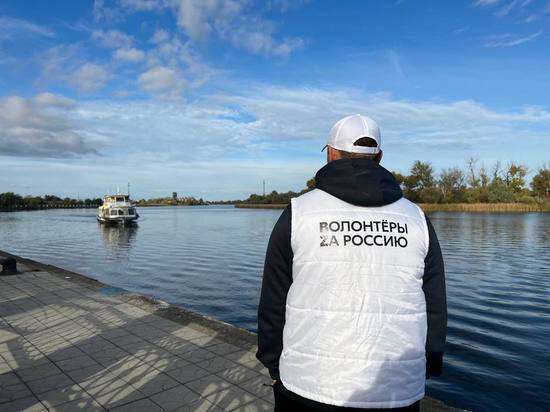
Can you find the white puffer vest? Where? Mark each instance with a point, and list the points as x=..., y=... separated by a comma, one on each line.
x=355, y=329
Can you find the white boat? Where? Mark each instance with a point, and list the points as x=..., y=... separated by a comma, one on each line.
x=117, y=209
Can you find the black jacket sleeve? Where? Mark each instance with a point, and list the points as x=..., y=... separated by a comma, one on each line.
x=436, y=304
x=276, y=282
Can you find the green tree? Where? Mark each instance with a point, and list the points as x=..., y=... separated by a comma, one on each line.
x=399, y=178
x=421, y=177
x=515, y=177
x=10, y=199
x=310, y=184
x=452, y=185
x=431, y=194
x=541, y=182
x=473, y=179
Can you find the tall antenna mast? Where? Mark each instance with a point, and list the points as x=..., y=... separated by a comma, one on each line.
x=128, y=188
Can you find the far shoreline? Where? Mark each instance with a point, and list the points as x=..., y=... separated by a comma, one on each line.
x=440, y=207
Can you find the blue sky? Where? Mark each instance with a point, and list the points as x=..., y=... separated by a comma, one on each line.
x=210, y=97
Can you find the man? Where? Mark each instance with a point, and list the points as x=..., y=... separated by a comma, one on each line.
x=352, y=313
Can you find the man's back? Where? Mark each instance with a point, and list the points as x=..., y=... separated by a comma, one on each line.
x=355, y=312
x=353, y=304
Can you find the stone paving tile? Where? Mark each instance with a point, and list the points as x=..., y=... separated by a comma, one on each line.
x=231, y=398
x=270, y=398
x=187, y=373
x=143, y=405
x=199, y=405
x=238, y=374
x=95, y=345
x=129, y=367
x=83, y=404
x=259, y=405
x=60, y=351
x=197, y=355
x=29, y=404
x=242, y=356
x=189, y=332
x=111, y=391
x=12, y=392
x=76, y=363
x=109, y=357
x=84, y=374
x=149, y=381
x=21, y=360
x=217, y=364
x=153, y=383
x=4, y=366
x=50, y=383
x=208, y=385
x=206, y=341
x=63, y=395
x=79, y=350
x=224, y=349
x=259, y=386
x=7, y=379
x=118, y=396
x=38, y=372
x=175, y=398
x=153, y=356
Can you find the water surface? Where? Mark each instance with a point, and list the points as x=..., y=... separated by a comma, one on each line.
x=210, y=259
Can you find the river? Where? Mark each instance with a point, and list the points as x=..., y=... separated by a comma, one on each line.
x=209, y=259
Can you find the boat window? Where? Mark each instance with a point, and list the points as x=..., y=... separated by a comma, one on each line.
x=131, y=211
x=120, y=212
x=113, y=213
x=120, y=199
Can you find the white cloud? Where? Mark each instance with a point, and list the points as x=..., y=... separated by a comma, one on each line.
x=115, y=12
x=274, y=118
x=160, y=36
x=90, y=77
x=142, y=5
x=130, y=55
x=113, y=39
x=285, y=5
x=161, y=79
x=171, y=52
x=233, y=20
x=514, y=4
x=485, y=3
x=51, y=100
x=273, y=132
x=39, y=126
x=510, y=40
x=11, y=27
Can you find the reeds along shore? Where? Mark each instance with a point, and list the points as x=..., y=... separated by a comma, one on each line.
x=443, y=207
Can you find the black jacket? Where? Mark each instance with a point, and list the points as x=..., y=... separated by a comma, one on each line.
x=360, y=182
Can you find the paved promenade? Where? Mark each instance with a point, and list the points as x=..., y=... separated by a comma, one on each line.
x=70, y=343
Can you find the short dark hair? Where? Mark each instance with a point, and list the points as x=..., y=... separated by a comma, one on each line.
x=365, y=142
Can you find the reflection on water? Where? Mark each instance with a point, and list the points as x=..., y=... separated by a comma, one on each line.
x=119, y=238
x=209, y=259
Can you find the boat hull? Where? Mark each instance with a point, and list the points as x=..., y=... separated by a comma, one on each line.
x=118, y=220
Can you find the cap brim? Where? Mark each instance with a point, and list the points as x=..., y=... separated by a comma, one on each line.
x=323, y=149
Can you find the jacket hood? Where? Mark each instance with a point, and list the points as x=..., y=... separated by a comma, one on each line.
x=361, y=182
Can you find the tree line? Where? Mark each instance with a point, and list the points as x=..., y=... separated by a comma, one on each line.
x=474, y=184
x=9, y=200
x=170, y=201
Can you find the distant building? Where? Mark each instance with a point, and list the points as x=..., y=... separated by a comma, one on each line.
x=175, y=195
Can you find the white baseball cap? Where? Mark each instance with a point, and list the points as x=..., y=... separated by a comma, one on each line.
x=348, y=130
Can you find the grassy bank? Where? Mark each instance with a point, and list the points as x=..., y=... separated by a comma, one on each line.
x=443, y=207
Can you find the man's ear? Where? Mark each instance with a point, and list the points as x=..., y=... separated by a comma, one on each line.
x=379, y=156
x=331, y=154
